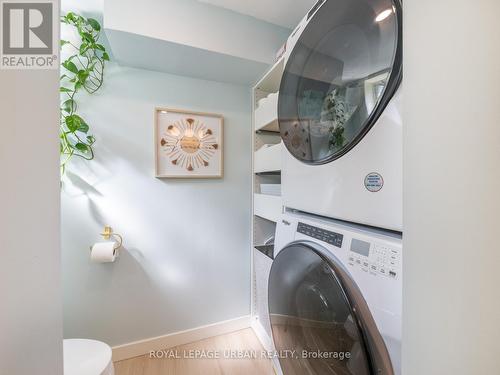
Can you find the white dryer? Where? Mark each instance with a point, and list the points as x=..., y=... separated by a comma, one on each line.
x=339, y=113
x=335, y=298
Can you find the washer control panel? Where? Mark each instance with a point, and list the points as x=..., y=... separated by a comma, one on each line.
x=377, y=259
x=324, y=235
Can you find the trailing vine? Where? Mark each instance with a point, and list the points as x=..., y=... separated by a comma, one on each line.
x=84, y=69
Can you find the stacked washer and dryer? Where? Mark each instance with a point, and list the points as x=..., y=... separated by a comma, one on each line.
x=335, y=286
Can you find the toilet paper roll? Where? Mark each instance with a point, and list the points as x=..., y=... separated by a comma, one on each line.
x=103, y=252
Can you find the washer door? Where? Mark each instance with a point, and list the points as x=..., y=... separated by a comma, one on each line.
x=341, y=74
x=320, y=322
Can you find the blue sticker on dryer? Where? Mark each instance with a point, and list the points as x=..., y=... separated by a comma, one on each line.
x=374, y=182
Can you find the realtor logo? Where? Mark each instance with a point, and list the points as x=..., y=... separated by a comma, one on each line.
x=29, y=32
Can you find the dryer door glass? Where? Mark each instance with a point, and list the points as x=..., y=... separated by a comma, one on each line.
x=342, y=72
x=316, y=327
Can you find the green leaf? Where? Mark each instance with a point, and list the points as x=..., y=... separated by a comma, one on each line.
x=81, y=147
x=63, y=42
x=90, y=139
x=100, y=47
x=69, y=65
x=83, y=48
x=73, y=122
x=69, y=106
x=105, y=56
x=82, y=76
x=64, y=89
x=78, y=85
x=84, y=128
x=94, y=24
x=87, y=37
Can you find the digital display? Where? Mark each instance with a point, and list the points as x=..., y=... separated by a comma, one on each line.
x=360, y=247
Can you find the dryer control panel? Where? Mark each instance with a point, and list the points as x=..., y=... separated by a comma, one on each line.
x=374, y=258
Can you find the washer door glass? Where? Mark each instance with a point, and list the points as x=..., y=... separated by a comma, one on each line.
x=310, y=313
x=339, y=77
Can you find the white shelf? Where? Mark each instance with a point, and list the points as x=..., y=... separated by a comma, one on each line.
x=268, y=159
x=267, y=206
x=266, y=114
x=272, y=79
x=272, y=126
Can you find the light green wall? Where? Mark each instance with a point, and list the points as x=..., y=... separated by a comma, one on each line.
x=187, y=259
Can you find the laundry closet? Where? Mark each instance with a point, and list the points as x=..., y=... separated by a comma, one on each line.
x=327, y=218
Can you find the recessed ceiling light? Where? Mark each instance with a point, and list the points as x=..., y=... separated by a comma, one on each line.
x=383, y=15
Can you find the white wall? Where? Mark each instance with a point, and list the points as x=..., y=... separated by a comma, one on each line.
x=187, y=260
x=452, y=184
x=30, y=278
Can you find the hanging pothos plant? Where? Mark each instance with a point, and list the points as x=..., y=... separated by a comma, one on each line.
x=83, y=69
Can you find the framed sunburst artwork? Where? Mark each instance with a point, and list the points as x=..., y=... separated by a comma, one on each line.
x=188, y=144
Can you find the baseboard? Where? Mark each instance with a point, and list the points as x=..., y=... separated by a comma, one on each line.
x=141, y=347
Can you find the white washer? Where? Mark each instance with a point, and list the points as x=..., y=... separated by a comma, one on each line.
x=339, y=112
x=336, y=288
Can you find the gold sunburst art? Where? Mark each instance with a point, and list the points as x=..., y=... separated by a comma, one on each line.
x=189, y=144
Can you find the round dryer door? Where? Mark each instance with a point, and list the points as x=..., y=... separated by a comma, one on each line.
x=341, y=74
x=320, y=322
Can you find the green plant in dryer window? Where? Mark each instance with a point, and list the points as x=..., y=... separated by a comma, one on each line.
x=336, y=112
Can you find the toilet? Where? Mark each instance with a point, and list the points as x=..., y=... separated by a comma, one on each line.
x=87, y=357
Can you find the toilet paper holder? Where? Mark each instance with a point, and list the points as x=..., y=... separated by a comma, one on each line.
x=108, y=233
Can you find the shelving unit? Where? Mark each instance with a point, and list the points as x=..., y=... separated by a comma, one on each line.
x=267, y=151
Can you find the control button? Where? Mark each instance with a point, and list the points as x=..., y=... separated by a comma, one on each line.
x=358, y=261
x=392, y=273
x=365, y=264
x=382, y=270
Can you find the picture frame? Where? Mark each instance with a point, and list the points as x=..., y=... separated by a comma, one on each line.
x=188, y=144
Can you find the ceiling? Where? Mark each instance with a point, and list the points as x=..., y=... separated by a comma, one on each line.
x=285, y=13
